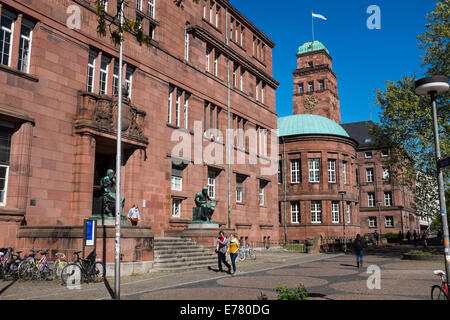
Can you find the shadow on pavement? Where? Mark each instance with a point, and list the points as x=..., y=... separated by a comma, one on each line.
x=8, y=286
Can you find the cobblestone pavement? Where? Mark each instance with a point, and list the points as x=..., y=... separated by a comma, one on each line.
x=326, y=277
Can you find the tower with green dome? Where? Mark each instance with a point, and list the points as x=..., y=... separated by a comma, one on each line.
x=315, y=83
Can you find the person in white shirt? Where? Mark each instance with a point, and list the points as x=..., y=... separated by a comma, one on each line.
x=134, y=215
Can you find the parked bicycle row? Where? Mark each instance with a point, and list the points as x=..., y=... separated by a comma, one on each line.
x=15, y=266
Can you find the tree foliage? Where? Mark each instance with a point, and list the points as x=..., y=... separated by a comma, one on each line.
x=406, y=118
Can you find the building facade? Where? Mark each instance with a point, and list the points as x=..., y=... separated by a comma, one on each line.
x=196, y=78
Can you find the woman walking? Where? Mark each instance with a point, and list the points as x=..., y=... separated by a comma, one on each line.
x=233, y=248
x=359, y=250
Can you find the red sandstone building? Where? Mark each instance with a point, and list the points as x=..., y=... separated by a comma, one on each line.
x=58, y=112
x=330, y=175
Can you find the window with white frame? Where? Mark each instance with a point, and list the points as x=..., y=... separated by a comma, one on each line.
x=369, y=175
x=371, y=199
x=151, y=9
x=212, y=184
x=176, y=208
x=258, y=83
x=335, y=211
x=368, y=154
x=5, y=147
x=116, y=77
x=217, y=16
x=91, y=70
x=295, y=171
x=208, y=57
x=216, y=63
x=211, y=12
x=262, y=137
x=177, y=107
x=6, y=37
x=314, y=170
x=171, y=89
x=26, y=33
x=316, y=211
x=263, y=88
x=239, y=184
x=177, y=178
x=295, y=212
x=186, y=42
x=104, y=67
x=388, y=198
x=242, y=36
x=385, y=153
x=139, y=5
x=241, y=79
x=386, y=174
x=332, y=171
x=231, y=28
x=186, y=110
x=204, y=9
x=389, y=221
x=372, y=222
x=348, y=212
x=235, y=76
x=262, y=186
x=129, y=80
x=344, y=172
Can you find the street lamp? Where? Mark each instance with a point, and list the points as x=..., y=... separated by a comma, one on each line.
x=343, y=193
x=379, y=216
x=434, y=85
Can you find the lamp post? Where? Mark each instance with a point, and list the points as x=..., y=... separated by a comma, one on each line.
x=379, y=217
x=433, y=86
x=342, y=194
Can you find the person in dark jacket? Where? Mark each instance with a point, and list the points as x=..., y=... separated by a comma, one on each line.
x=359, y=246
x=221, y=250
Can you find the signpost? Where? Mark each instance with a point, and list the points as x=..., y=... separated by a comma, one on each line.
x=89, y=235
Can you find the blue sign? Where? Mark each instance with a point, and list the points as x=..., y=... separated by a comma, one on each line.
x=90, y=232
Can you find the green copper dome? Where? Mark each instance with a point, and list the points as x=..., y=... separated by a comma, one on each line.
x=308, y=124
x=312, y=46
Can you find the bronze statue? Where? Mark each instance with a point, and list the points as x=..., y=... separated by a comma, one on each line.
x=204, y=210
x=108, y=184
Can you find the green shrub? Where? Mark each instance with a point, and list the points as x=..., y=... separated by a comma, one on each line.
x=298, y=294
x=293, y=247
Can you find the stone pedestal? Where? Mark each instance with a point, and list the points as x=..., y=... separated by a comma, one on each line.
x=204, y=234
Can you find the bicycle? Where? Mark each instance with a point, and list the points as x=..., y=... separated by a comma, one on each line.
x=440, y=292
x=83, y=269
x=246, y=252
x=11, y=266
x=28, y=266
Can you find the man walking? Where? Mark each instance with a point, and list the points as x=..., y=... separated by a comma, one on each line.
x=221, y=250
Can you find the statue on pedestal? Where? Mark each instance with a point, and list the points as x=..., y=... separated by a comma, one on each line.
x=204, y=210
x=108, y=184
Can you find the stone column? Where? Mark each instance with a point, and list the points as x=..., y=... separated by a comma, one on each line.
x=83, y=178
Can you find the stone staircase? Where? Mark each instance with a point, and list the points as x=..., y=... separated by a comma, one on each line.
x=178, y=254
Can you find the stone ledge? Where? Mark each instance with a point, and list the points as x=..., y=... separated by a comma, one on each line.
x=77, y=232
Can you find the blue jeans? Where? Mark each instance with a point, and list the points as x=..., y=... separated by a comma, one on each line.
x=233, y=257
x=359, y=255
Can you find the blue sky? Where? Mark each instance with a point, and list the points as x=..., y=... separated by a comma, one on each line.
x=363, y=59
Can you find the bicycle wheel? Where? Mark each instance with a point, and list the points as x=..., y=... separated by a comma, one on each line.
x=60, y=265
x=25, y=270
x=251, y=254
x=98, y=272
x=241, y=255
x=437, y=293
x=71, y=275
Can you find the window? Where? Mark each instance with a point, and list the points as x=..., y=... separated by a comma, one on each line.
x=171, y=89
x=186, y=110
x=332, y=171
x=151, y=9
x=262, y=141
x=6, y=31
x=295, y=171
x=242, y=79
x=258, y=84
x=186, y=42
x=371, y=199
x=208, y=57
x=26, y=32
x=231, y=28
x=335, y=211
x=116, y=77
x=386, y=175
x=344, y=172
x=316, y=211
x=216, y=64
x=239, y=182
x=204, y=9
x=385, y=153
x=5, y=147
x=176, y=208
x=104, y=66
x=369, y=175
x=263, y=87
x=348, y=212
x=91, y=70
x=211, y=11
x=242, y=36
x=177, y=178
x=129, y=80
x=139, y=5
x=372, y=222
x=321, y=85
x=217, y=16
x=104, y=3
x=314, y=170
x=301, y=89
x=295, y=212
x=177, y=107
x=280, y=177
x=310, y=64
x=211, y=184
x=388, y=199
x=262, y=185
x=311, y=86
x=389, y=221
x=368, y=154
x=235, y=72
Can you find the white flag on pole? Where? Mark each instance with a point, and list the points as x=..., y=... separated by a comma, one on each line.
x=316, y=15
